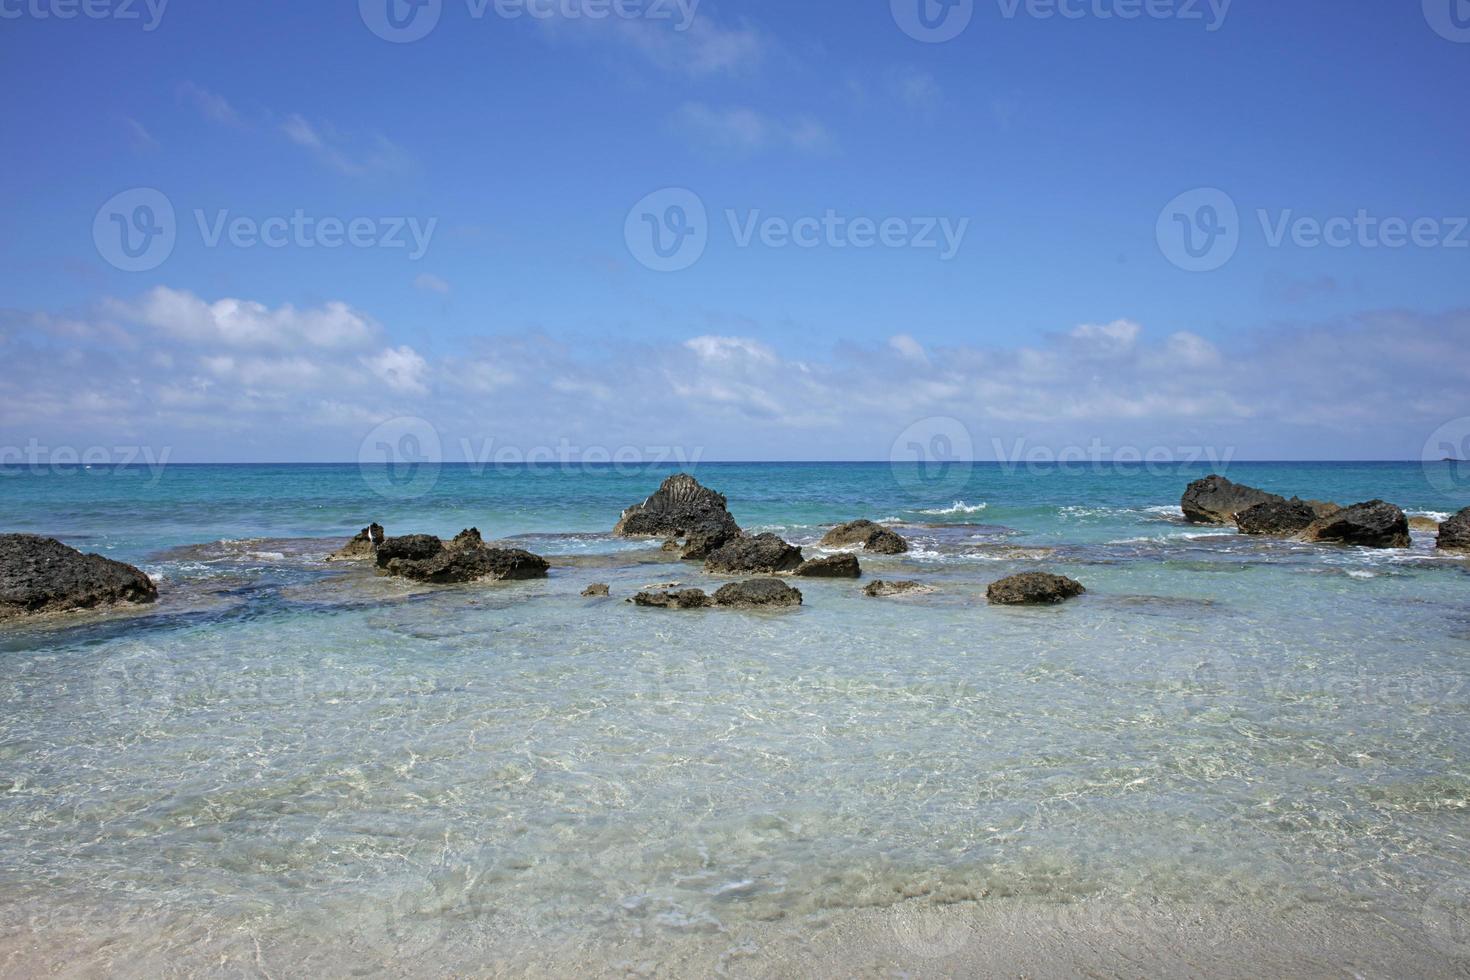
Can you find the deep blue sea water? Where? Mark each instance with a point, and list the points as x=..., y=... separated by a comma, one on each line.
x=287, y=767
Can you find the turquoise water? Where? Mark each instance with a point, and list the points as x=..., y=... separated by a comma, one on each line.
x=290, y=768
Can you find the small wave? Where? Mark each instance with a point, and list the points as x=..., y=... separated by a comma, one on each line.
x=1434, y=515
x=1166, y=510
x=958, y=507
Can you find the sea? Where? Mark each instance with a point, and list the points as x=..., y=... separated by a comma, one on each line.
x=1231, y=756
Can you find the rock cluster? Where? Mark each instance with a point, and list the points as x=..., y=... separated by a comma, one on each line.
x=868, y=536
x=1033, y=589
x=766, y=593
x=40, y=575
x=424, y=558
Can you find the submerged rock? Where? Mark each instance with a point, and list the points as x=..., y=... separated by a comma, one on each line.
x=1426, y=524
x=361, y=548
x=884, y=590
x=1374, y=524
x=1033, y=588
x=1282, y=517
x=596, y=591
x=685, y=599
x=680, y=508
x=763, y=553
x=40, y=575
x=1454, y=534
x=759, y=593
x=1216, y=500
x=836, y=566
x=866, y=535
x=425, y=558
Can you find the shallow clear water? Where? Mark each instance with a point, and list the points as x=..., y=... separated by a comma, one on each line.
x=284, y=752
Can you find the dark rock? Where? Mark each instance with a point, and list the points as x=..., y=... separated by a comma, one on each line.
x=681, y=508
x=1454, y=534
x=883, y=590
x=1033, y=588
x=836, y=566
x=424, y=558
x=1283, y=517
x=411, y=547
x=758, y=594
x=700, y=546
x=597, y=591
x=361, y=548
x=868, y=536
x=1215, y=500
x=763, y=553
x=43, y=575
x=1374, y=524
x=685, y=599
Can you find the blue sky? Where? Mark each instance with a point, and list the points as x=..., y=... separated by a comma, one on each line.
x=1050, y=147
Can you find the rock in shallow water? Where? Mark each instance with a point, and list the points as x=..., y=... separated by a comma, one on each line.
x=679, y=508
x=836, y=566
x=1374, y=524
x=361, y=548
x=596, y=591
x=884, y=590
x=43, y=575
x=1033, y=589
x=764, y=553
x=757, y=594
x=1454, y=534
x=1280, y=517
x=867, y=535
x=1216, y=500
x=424, y=558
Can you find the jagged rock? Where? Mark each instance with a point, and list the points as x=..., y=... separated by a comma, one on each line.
x=424, y=558
x=758, y=594
x=680, y=508
x=40, y=575
x=765, y=553
x=1215, y=500
x=836, y=566
x=1276, y=517
x=686, y=599
x=597, y=591
x=1454, y=534
x=361, y=548
x=1374, y=524
x=1033, y=588
x=700, y=546
x=884, y=590
x=868, y=536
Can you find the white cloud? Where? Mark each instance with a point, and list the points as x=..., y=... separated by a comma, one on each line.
x=431, y=284
x=370, y=156
x=213, y=107
x=242, y=324
x=699, y=47
x=744, y=130
x=401, y=369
